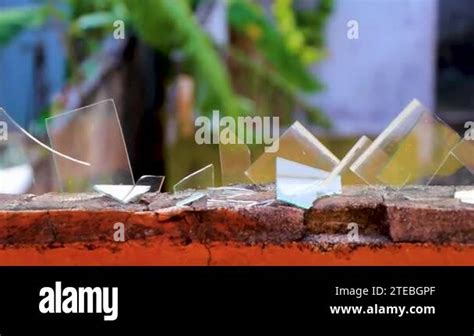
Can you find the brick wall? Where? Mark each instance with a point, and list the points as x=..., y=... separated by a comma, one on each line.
x=416, y=226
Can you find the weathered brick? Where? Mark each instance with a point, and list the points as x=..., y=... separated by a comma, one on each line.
x=25, y=227
x=440, y=221
x=416, y=193
x=66, y=201
x=333, y=214
x=251, y=225
x=424, y=214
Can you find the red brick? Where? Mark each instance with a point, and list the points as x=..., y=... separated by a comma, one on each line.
x=333, y=214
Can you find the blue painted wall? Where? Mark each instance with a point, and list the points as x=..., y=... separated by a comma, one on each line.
x=21, y=75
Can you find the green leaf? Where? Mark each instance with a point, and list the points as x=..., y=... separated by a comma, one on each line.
x=14, y=20
x=91, y=21
x=280, y=83
x=245, y=16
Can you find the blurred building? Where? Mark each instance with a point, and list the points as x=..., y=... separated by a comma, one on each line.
x=370, y=79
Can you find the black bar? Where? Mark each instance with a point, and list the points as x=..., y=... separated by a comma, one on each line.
x=156, y=301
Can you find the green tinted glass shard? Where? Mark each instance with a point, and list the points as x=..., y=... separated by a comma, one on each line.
x=201, y=179
x=296, y=144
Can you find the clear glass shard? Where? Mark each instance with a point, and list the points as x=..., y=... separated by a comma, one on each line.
x=230, y=192
x=233, y=190
x=452, y=172
x=301, y=185
x=464, y=152
x=25, y=161
x=122, y=193
x=297, y=174
x=191, y=199
x=466, y=196
x=201, y=179
x=91, y=134
x=231, y=196
x=218, y=203
x=131, y=193
x=296, y=144
x=343, y=168
x=235, y=159
x=155, y=183
x=458, y=169
x=410, y=150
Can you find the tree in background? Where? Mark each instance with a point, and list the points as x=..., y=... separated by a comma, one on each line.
x=263, y=70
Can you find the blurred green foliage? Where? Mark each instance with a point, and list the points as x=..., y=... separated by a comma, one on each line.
x=15, y=20
x=250, y=19
x=303, y=27
x=154, y=20
x=288, y=44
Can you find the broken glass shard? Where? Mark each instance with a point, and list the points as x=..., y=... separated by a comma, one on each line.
x=191, y=199
x=131, y=193
x=414, y=149
x=466, y=196
x=296, y=144
x=232, y=190
x=122, y=193
x=235, y=159
x=464, y=152
x=343, y=168
x=201, y=179
x=218, y=203
x=301, y=185
x=458, y=167
x=233, y=196
x=91, y=134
